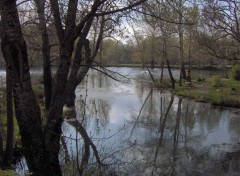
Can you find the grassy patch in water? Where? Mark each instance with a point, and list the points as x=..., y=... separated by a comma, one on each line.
x=217, y=91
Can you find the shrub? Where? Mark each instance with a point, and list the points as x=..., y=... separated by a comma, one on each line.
x=216, y=81
x=199, y=79
x=235, y=72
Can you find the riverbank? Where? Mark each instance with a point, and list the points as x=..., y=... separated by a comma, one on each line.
x=217, y=91
x=201, y=67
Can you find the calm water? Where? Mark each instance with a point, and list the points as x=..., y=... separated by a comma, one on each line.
x=143, y=131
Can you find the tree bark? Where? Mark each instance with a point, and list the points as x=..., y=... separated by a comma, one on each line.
x=47, y=73
x=153, y=51
x=9, y=145
x=26, y=106
x=1, y=148
x=78, y=71
x=162, y=67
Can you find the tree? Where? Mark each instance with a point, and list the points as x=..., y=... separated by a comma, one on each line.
x=166, y=33
x=180, y=33
x=220, y=36
x=151, y=22
x=47, y=73
x=192, y=31
x=223, y=16
x=26, y=106
x=41, y=146
x=161, y=12
x=10, y=131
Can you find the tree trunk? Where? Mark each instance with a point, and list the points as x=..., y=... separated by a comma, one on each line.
x=180, y=33
x=47, y=73
x=190, y=50
x=26, y=106
x=162, y=67
x=1, y=147
x=151, y=75
x=71, y=98
x=52, y=132
x=10, y=132
x=77, y=74
x=27, y=110
x=165, y=55
x=153, y=51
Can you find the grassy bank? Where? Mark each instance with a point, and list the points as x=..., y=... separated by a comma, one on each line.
x=201, y=67
x=215, y=90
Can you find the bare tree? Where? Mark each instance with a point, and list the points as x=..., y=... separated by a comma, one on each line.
x=221, y=35
x=41, y=146
x=223, y=16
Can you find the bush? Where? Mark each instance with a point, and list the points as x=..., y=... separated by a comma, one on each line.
x=199, y=79
x=235, y=72
x=216, y=81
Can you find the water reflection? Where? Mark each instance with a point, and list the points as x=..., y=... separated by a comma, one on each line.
x=138, y=130
x=141, y=131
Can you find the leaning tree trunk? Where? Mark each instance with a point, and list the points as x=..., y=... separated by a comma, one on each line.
x=9, y=145
x=26, y=106
x=165, y=55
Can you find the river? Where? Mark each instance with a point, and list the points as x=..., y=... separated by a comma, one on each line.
x=142, y=131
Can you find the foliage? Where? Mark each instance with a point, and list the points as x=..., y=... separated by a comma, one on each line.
x=235, y=72
x=227, y=95
x=216, y=81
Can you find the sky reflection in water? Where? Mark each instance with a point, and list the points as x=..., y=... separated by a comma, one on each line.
x=192, y=143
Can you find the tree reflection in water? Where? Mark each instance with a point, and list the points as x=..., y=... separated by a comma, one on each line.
x=141, y=131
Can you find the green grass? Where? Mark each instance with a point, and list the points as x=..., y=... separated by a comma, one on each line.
x=38, y=90
x=217, y=91
x=166, y=83
x=7, y=172
x=3, y=118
